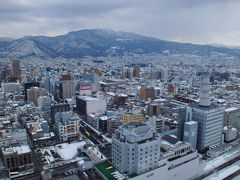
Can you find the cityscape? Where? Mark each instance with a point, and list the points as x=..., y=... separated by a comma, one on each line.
x=102, y=104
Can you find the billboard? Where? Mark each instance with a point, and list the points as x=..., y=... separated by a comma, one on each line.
x=85, y=87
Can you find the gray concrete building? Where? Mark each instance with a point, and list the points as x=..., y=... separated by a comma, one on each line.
x=135, y=148
x=232, y=117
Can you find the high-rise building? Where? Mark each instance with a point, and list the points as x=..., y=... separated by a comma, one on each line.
x=190, y=133
x=185, y=115
x=16, y=71
x=154, y=109
x=164, y=74
x=66, y=77
x=136, y=72
x=135, y=148
x=147, y=92
x=232, y=117
x=63, y=107
x=210, y=125
x=68, y=90
x=34, y=93
x=127, y=72
x=28, y=86
x=67, y=125
x=67, y=86
x=208, y=116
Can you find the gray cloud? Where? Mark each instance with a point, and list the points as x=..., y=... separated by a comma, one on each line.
x=204, y=21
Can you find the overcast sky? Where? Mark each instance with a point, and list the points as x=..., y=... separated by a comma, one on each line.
x=196, y=21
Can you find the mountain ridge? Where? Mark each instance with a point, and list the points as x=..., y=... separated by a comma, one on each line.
x=101, y=42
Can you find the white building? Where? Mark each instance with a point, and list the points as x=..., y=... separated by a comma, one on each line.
x=67, y=125
x=87, y=105
x=135, y=148
x=140, y=154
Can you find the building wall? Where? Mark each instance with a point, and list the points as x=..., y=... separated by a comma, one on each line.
x=135, y=158
x=34, y=93
x=190, y=133
x=16, y=71
x=97, y=106
x=131, y=117
x=146, y=93
x=10, y=87
x=210, y=125
x=232, y=117
x=16, y=161
x=68, y=90
x=187, y=170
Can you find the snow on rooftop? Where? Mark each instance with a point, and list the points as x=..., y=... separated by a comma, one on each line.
x=22, y=149
x=107, y=139
x=224, y=174
x=191, y=122
x=104, y=118
x=231, y=109
x=68, y=151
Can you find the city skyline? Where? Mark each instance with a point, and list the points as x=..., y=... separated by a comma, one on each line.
x=202, y=22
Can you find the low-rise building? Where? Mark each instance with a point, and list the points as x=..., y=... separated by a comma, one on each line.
x=17, y=158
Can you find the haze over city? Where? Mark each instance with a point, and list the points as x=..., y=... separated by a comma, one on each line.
x=119, y=90
x=201, y=22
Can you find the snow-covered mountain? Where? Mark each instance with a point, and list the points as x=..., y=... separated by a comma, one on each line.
x=100, y=42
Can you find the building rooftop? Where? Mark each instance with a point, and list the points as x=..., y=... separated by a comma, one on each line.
x=137, y=127
x=170, y=139
x=205, y=108
x=231, y=109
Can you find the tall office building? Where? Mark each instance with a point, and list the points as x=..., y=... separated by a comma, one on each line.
x=164, y=74
x=127, y=72
x=210, y=125
x=34, y=93
x=28, y=86
x=68, y=90
x=16, y=71
x=209, y=118
x=136, y=72
x=185, y=115
x=67, y=86
x=135, y=148
x=154, y=109
x=147, y=92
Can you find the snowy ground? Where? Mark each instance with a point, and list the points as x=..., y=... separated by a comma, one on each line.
x=223, y=173
x=69, y=151
x=207, y=166
x=65, y=150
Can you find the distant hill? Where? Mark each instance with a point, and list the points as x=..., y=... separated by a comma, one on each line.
x=101, y=42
